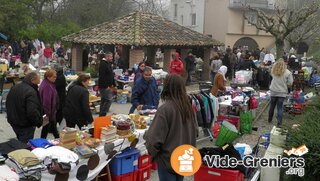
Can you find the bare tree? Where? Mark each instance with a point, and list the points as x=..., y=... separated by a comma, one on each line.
x=282, y=22
x=305, y=32
x=153, y=6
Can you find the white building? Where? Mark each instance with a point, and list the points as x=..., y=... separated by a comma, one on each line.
x=188, y=13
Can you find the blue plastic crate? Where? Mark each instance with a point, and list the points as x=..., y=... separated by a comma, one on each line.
x=125, y=162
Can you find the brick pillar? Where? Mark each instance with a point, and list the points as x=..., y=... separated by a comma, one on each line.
x=135, y=56
x=206, y=68
x=151, y=54
x=167, y=58
x=76, y=52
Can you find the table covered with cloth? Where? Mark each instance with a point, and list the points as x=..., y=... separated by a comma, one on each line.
x=89, y=168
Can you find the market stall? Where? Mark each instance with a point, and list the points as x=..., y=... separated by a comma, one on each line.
x=77, y=155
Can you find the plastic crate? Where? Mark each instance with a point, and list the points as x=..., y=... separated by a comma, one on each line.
x=207, y=174
x=125, y=162
x=144, y=161
x=132, y=176
x=144, y=173
x=235, y=120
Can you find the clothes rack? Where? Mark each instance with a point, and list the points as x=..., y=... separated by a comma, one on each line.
x=205, y=130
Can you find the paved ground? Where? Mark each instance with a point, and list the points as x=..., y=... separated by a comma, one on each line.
x=263, y=126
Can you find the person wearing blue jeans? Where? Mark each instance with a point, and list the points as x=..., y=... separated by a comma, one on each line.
x=165, y=175
x=281, y=79
x=276, y=101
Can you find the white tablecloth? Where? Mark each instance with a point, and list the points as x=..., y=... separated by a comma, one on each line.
x=120, y=144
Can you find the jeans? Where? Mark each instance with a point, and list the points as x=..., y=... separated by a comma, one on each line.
x=24, y=134
x=131, y=111
x=51, y=126
x=164, y=175
x=189, y=80
x=279, y=102
x=106, y=101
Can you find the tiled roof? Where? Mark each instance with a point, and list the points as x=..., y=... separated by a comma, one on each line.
x=141, y=29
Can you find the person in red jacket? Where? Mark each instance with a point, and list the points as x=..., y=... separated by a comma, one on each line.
x=47, y=54
x=176, y=65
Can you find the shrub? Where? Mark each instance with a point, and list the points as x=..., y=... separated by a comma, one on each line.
x=92, y=71
x=308, y=133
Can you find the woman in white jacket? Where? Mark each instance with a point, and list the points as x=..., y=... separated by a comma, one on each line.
x=34, y=58
x=281, y=79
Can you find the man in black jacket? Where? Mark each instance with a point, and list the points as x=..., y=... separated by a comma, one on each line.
x=189, y=60
x=105, y=83
x=24, y=110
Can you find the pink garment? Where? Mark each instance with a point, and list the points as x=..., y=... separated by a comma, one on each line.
x=41, y=57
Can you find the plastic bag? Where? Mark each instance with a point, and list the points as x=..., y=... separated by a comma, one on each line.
x=253, y=103
x=216, y=129
x=246, y=122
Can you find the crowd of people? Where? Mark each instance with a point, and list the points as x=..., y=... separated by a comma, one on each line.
x=34, y=52
x=29, y=106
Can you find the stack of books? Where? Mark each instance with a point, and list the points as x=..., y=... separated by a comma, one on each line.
x=109, y=134
x=84, y=151
x=68, y=138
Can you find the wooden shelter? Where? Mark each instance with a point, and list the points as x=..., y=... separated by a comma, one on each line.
x=139, y=33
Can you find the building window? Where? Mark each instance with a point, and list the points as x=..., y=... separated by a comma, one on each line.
x=251, y=18
x=175, y=10
x=181, y=19
x=193, y=19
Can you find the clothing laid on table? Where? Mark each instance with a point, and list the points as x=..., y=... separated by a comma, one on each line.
x=77, y=110
x=168, y=131
x=62, y=155
x=11, y=145
x=8, y=174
